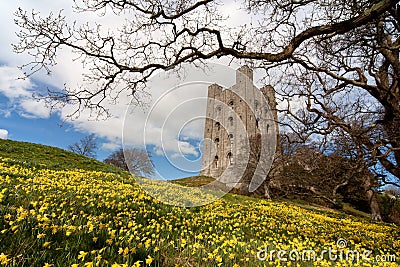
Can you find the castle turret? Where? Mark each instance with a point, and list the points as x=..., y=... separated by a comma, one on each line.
x=244, y=73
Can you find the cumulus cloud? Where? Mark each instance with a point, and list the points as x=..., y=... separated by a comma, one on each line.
x=11, y=84
x=34, y=109
x=3, y=134
x=110, y=146
x=19, y=93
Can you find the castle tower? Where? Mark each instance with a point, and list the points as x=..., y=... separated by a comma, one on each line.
x=234, y=116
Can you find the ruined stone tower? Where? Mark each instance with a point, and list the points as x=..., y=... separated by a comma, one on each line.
x=234, y=116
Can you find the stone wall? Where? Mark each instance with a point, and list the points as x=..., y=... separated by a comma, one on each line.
x=235, y=115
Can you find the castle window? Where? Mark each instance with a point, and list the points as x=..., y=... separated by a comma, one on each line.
x=230, y=103
x=216, y=162
x=219, y=110
x=229, y=156
x=218, y=125
x=216, y=141
x=230, y=120
x=267, y=128
x=257, y=122
x=230, y=136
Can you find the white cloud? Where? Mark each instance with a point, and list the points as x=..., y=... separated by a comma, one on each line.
x=3, y=134
x=111, y=146
x=19, y=94
x=11, y=84
x=34, y=109
x=159, y=152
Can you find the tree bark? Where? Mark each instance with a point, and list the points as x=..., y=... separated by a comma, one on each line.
x=267, y=195
x=372, y=200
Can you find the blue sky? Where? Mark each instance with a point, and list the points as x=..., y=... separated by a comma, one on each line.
x=163, y=128
x=21, y=123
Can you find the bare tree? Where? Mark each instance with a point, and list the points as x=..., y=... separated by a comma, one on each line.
x=86, y=146
x=117, y=159
x=339, y=59
x=392, y=191
x=135, y=160
x=327, y=174
x=365, y=182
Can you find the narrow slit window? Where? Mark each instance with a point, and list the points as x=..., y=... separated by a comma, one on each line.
x=218, y=125
x=216, y=161
x=216, y=141
x=229, y=156
x=230, y=120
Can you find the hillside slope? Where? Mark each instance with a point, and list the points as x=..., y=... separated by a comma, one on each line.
x=50, y=157
x=59, y=209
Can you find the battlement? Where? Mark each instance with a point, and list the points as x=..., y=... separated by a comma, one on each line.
x=214, y=90
x=244, y=73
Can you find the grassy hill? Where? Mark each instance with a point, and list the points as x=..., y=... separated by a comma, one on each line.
x=60, y=209
x=41, y=156
x=194, y=181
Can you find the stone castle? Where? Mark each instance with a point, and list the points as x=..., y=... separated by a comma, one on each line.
x=234, y=116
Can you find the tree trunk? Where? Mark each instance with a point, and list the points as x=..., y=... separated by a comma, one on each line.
x=266, y=191
x=373, y=203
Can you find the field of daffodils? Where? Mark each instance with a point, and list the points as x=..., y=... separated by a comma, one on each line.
x=77, y=217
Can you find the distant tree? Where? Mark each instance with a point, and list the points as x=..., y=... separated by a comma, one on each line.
x=392, y=191
x=135, y=160
x=86, y=146
x=117, y=159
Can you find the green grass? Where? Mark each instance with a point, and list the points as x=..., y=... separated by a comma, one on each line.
x=41, y=156
x=194, y=181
